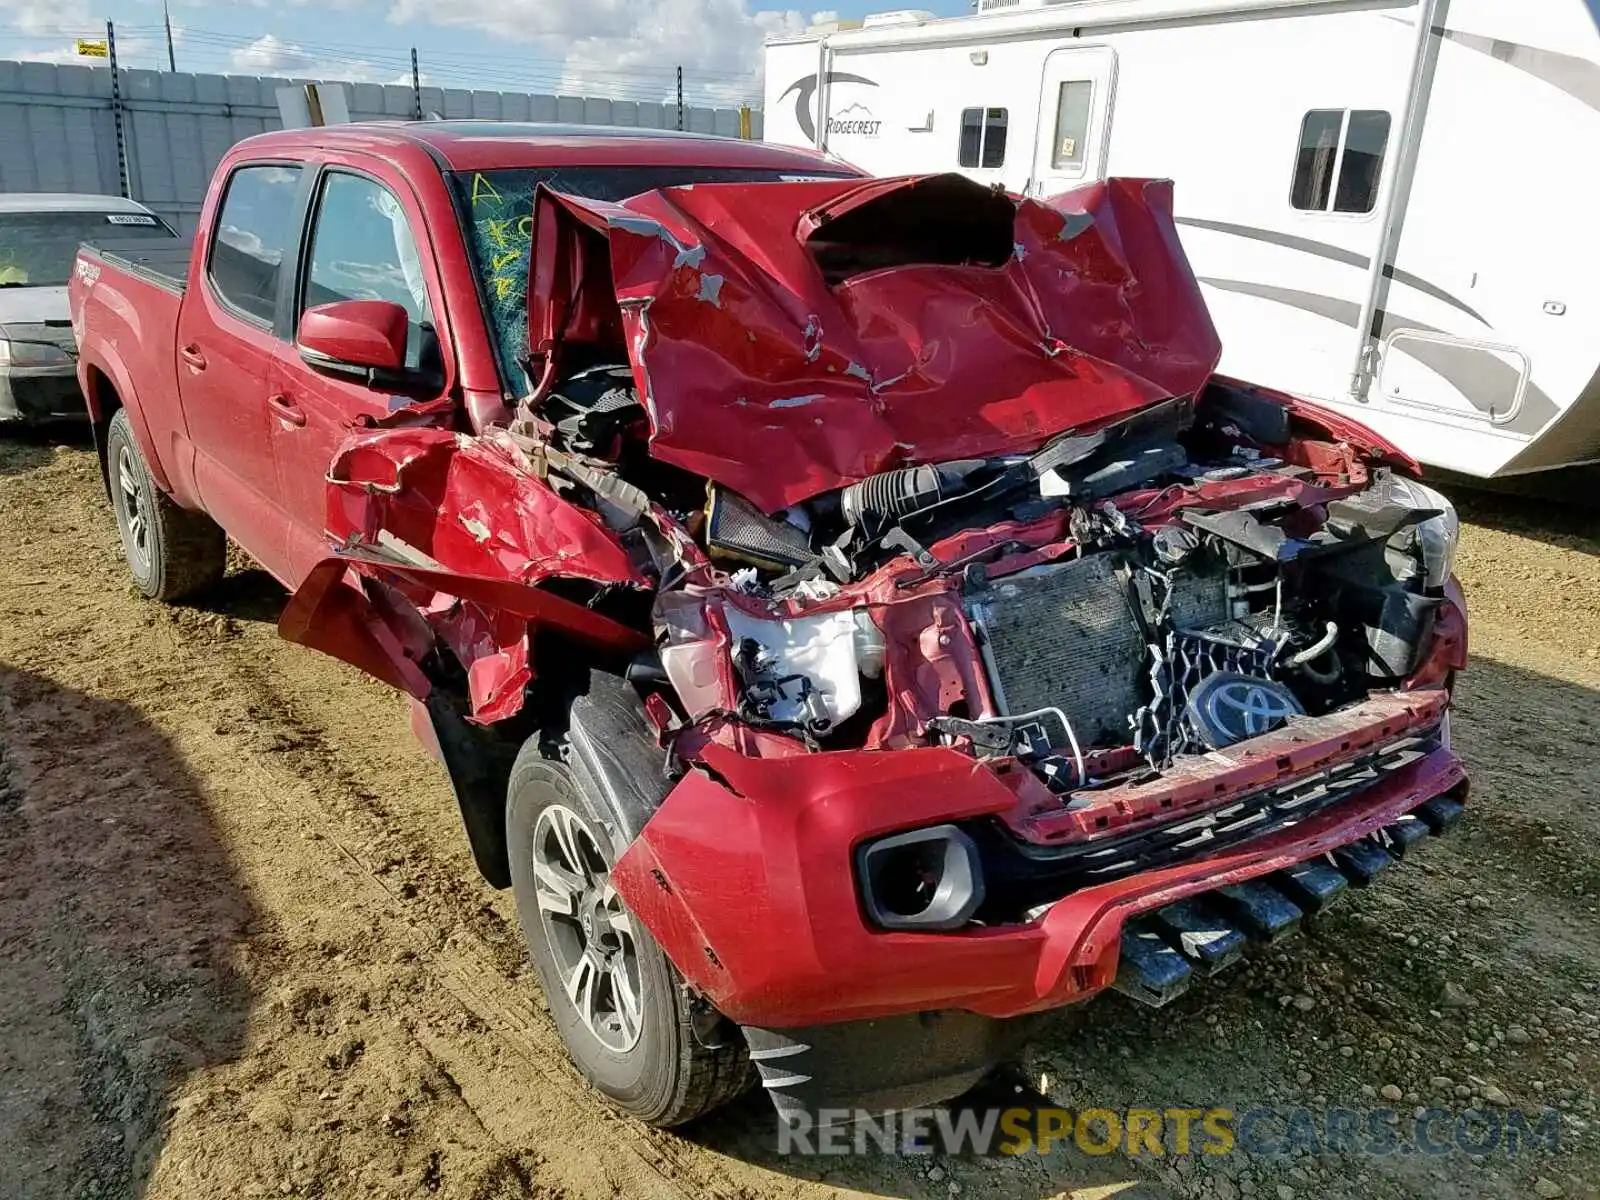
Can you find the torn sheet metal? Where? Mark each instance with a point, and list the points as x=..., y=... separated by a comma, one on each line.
x=447, y=536
x=768, y=368
x=467, y=504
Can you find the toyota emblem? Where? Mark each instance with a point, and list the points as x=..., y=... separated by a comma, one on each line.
x=1228, y=707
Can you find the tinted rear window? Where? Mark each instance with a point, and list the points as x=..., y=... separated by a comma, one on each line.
x=254, y=228
x=37, y=248
x=497, y=212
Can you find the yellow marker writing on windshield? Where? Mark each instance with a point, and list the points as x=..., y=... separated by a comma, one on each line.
x=482, y=189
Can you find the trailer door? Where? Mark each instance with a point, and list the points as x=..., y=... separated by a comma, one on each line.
x=1074, y=131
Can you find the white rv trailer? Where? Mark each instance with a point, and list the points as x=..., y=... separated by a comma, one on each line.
x=1393, y=205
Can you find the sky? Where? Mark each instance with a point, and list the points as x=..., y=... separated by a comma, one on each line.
x=625, y=49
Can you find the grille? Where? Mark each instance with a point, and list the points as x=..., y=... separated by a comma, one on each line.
x=1019, y=877
x=737, y=529
x=1162, y=728
x=57, y=333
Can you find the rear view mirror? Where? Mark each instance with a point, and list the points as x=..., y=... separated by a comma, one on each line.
x=364, y=338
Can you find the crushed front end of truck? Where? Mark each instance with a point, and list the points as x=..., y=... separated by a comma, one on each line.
x=993, y=650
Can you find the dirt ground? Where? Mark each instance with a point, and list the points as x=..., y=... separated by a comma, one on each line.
x=243, y=951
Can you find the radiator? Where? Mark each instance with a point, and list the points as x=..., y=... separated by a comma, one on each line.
x=1065, y=636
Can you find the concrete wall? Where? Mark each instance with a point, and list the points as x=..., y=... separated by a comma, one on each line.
x=58, y=132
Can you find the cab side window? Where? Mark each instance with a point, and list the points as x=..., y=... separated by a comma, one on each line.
x=362, y=248
x=254, y=229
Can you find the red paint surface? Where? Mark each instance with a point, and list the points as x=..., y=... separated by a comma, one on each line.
x=473, y=505
x=1334, y=425
x=209, y=434
x=737, y=340
x=369, y=333
x=746, y=880
x=465, y=530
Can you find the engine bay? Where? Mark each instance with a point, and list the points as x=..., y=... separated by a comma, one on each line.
x=1162, y=586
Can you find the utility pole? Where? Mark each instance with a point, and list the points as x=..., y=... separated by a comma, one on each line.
x=680, y=99
x=166, y=20
x=416, y=88
x=116, y=108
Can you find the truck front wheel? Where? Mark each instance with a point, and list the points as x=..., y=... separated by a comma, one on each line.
x=171, y=551
x=628, y=1021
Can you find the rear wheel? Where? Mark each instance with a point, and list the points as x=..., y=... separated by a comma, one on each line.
x=171, y=551
x=628, y=1020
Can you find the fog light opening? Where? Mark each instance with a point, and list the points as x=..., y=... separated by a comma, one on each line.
x=925, y=879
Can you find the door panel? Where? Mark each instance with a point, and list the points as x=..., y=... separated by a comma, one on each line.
x=1075, y=103
x=226, y=354
x=362, y=246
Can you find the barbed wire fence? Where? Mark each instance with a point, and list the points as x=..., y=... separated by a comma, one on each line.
x=208, y=51
x=117, y=113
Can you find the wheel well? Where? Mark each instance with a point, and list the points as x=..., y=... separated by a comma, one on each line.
x=478, y=760
x=103, y=403
x=572, y=686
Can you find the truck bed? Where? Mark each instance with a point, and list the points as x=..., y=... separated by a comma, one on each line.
x=164, y=264
x=126, y=298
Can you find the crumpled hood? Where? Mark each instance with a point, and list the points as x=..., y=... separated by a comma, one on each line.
x=792, y=338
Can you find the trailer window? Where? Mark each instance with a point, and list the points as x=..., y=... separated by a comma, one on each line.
x=1340, y=160
x=1072, y=124
x=983, y=137
x=1365, y=136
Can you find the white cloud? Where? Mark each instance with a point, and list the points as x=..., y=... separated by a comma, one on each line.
x=621, y=48
x=67, y=56
x=270, y=55
x=610, y=46
x=48, y=17
x=65, y=21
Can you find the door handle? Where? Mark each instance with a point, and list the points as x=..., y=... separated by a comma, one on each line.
x=286, y=409
x=191, y=355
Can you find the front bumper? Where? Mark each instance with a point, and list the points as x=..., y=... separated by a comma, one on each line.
x=41, y=394
x=744, y=875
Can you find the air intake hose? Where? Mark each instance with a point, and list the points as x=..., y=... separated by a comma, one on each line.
x=879, y=501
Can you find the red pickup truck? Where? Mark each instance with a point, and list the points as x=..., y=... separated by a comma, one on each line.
x=853, y=613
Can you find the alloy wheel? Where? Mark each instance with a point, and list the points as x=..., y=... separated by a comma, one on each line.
x=135, y=520
x=589, y=930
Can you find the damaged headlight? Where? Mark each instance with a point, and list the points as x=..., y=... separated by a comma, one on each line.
x=1436, y=538
x=805, y=670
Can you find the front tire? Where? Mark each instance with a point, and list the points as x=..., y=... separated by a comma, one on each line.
x=624, y=1012
x=171, y=552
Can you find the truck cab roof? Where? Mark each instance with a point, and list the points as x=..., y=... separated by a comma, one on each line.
x=486, y=145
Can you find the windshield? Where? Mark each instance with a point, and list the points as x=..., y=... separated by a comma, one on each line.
x=37, y=248
x=497, y=212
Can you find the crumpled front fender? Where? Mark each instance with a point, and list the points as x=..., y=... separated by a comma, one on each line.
x=445, y=537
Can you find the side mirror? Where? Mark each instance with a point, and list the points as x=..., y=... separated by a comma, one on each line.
x=364, y=338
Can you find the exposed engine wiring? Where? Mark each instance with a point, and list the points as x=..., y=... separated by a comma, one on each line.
x=1072, y=737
